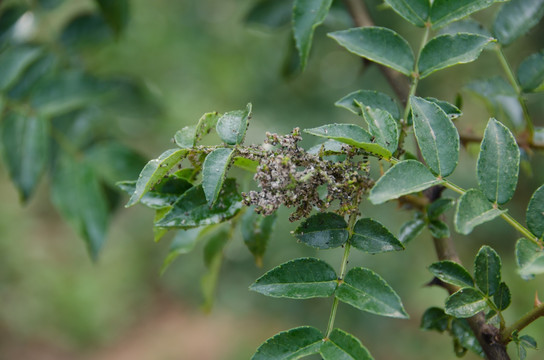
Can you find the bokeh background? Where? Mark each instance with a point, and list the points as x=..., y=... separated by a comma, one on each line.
x=196, y=56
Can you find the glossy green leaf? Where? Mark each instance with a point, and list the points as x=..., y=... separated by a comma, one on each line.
x=465, y=303
x=367, y=291
x=451, y=273
x=463, y=335
x=86, y=30
x=256, y=230
x=487, y=270
x=516, y=18
x=530, y=258
x=438, y=207
x=531, y=72
x=444, y=12
x=435, y=319
x=378, y=44
x=214, y=171
x=473, y=209
x=502, y=297
x=116, y=13
x=382, y=127
x=25, y=146
x=291, y=345
x=183, y=243
x=373, y=99
x=467, y=25
x=404, y=178
x=307, y=16
x=323, y=231
x=410, y=230
x=415, y=11
x=448, y=50
x=498, y=163
x=436, y=135
x=439, y=229
x=192, y=209
x=303, y=278
x=213, y=258
x=271, y=14
x=372, y=237
x=154, y=171
x=14, y=61
x=232, y=126
x=163, y=195
x=535, y=213
x=185, y=138
x=341, y=345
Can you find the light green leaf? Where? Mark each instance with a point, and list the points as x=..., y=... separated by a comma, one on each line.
x=307, y=16
x=232, y=125
x=487, y=270
x=451, y=273
x=438, y=207
x=436, y=136
x=410, y=230
x=367, y=291
x=372, y=237
x=115, y=12
x=256, y=230
x=245, y=164
x=303, y=278
x=531, y=72
x=190, y=135
x=183, y=243
x=214, y=171
x=14, y=61
x=25, y=146
x=404, y=178
x=435, y=319
x=415, y=11
x=341, y=345
x=154, y=171
x=290, y=345
x=447, y=50
x=444, y=12
x=271, y=14
x=163, y=195
x=373, y=99
x=502, y=297
x=378, y=44
x=439, y=229
x=382, y=126
x=530, y=258
x=323, y=231
x=185, y=138
x=472, y=210
x=498, y=163
x=465, y=303
x=516, y=18
x=535, y=213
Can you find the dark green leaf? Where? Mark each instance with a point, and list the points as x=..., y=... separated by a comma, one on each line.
x=183, y=243
x=378, y=44
x=473, y=209
x=529, y=257
x=10, y=15
x=86, y=30
x=50, y=4
x=367, y=291
x=115, y=12
x=290, y=345
x=307, y=16
x=25, y=146
x=502, y=297
x=14, y=61
x=439, y=229
x=372, y=237
x=323, y=231
x=415, y=11
x=498, y=163
x=163, y=195
x=404, y=178
x=213, y=257
x=463, y=334
x=465, y=303
x=516, y=18
x=531, y=72
x=256, y=230
x=528, y=341
x=451, y=110
x=303, y=278
x=35, y=72
x=232, y=125
x=271, y=14
x=438, y=207
x=468, y=25
x=214, y=171
x=435, y=319
x=341, y=345
x=444, y=12
x=487, y=270
x=410, y=230
x=451, y=273
x=535, y=213
x=373, y=99
x=382, y=127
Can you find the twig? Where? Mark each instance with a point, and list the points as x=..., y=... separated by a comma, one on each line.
x=535, y=313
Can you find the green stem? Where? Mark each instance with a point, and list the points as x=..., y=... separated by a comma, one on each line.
x=524, y=321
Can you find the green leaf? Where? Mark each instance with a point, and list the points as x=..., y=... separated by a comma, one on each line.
x=307, y=16
x=465, y=303
x=213, y=257
x=528, y=341
x=245, y=164
x=290, y=345
x=378, y=44
x=33, y=74
x=516, y=18
x=414, y=11
x=14, y=61
x=439, y=229
x=467, y=25
x=163, y=195
x=529, y=257
x=535, y=213
x=86, y=30
x=462, y=333
x=444, y=12
x=352, y=135
x=185, y=138
x=323, y=231
x=448, y=50
x=382, y=126
x=452, y=273
x=502, y=297
x=367, y=291
x=373, y=99
x=487, y=270
x=498, y=163
x=9, y=16
x=438, y=207
x=436, y=136
x=154, y=171
x=232, y=125
x=374, y=238
x=183, y=243
x=192, y=209
x=76, y=193
x=435, y=319
x=214, y=171
x=303, y=278
x=256, y=230
x=473, y=209
x=404, y=178
x=271, y=14
x=25, y=146
x=410, y=230
x=531, y=72
x=341, y=345
x=451, y=110
x=190, y=135
x=116, y=13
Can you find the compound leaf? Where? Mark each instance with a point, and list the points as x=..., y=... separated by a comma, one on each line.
x=323, y=231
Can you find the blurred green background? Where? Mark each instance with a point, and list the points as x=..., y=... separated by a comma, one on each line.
x=197, y=56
